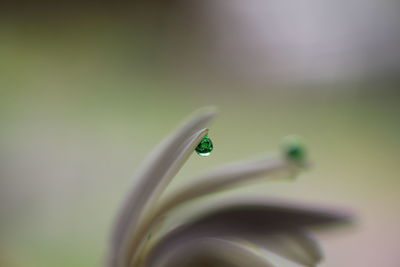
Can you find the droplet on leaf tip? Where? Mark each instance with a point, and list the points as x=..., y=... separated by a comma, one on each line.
x=205, y=147
x=294, y=149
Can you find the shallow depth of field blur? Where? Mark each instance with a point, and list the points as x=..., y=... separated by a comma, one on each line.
x=86, y=92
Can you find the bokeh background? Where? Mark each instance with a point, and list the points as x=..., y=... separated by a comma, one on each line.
x=87, y=90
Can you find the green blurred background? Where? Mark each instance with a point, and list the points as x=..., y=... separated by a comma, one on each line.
x=87, y=91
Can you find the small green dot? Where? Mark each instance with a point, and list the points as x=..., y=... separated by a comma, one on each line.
x=205, y=147
x=294, y=150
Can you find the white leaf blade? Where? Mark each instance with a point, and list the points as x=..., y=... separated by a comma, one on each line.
x=161, y=166
x=297, y=246
x=247, y=220
x=224, y=178
x=226, y=253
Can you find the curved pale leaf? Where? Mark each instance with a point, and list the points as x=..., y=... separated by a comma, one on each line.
x=298, y=246
x=248, y=219
x=223, y=178
x=209, y=252
x=161, y=167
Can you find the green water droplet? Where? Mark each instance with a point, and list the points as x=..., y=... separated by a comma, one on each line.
x=205, y=147
x=294, y=150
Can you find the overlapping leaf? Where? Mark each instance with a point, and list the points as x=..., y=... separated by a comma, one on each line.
x=235, y=234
